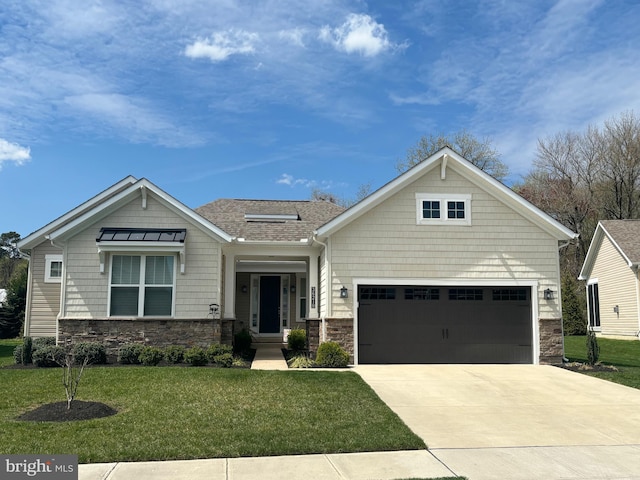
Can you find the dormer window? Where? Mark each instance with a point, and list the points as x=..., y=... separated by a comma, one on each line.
x=443, y=209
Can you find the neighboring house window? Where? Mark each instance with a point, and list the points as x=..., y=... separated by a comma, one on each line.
x=53, y=268
x=593, y=299
x=142, y=285
x=434, y=209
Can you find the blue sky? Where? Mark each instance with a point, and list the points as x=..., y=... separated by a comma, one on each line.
x=269, y=99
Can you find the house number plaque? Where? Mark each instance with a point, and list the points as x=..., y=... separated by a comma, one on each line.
x=313, y=297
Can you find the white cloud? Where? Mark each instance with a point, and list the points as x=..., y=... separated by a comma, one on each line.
x=291, y=181
x=12, y=152
x=358, y=34
x=221, y=45
x=294, y=36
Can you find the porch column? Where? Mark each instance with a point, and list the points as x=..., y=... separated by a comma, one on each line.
x=314, y=291
x=229, y=286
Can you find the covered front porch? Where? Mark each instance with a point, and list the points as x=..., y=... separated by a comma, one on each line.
x=274, y=289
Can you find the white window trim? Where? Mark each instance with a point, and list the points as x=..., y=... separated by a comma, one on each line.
x=443, y=199
x=590, y=282
x=48, y=260
x=142, y=248
x=141, y=285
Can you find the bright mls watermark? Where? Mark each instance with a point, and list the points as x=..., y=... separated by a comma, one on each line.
x=49, y=467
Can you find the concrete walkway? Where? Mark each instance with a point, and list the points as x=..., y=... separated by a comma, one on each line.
x=269, y=357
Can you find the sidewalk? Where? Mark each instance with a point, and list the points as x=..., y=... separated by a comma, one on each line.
x=340, y=466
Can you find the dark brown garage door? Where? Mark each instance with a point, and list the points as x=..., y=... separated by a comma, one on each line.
x=444, y=324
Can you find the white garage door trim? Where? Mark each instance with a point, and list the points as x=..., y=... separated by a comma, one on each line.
x=451, y=282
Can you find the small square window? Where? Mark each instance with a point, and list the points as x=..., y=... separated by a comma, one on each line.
x=431, y=209
x=455, y=210
x=53, y=269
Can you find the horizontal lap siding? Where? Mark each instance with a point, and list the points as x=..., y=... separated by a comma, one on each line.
x=616, y=286
x=45, y=297
x=87, y=289
x=387, y=243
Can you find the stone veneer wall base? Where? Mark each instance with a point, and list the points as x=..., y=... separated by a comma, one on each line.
x=154, y=332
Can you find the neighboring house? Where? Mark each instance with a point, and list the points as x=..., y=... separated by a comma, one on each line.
x=444, y=264
x=3, y=296
x=611, y=272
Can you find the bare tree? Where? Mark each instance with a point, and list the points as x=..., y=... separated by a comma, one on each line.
x=480, y=152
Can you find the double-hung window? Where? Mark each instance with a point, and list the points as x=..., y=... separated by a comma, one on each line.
x=443, y=209
x=142, y=285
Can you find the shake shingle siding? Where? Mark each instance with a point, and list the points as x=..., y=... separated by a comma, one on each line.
x=499, y=245
x=87, y=294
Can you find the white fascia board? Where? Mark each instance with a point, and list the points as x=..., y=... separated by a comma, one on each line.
x=513, y=200
x=381, y=194
x=140, y=246
x=470, y=172
x=34, y=239
x=114, y=202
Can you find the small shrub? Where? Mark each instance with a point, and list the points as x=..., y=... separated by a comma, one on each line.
x=94, y=352
x=297, y=340
x=17, y=355
x=174, y=354
x=43, y=342
x=593, y=349
x=224, y=360
x=196, y=356
x=331, y=354
x=151, y=356
x=240, y=362
x=27, y=350
x=50, y=356
x=130, y=353
x=300, y=361
x=242, y=341
x=216, y=349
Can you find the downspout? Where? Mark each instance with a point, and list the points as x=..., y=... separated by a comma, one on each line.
x=63, y=285
x=327, y=268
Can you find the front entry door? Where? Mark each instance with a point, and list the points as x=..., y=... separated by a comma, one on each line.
x=269, y=304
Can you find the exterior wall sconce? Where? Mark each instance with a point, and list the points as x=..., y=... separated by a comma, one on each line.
x=344, y=293
x=548, y=294
x=616, y=309
x=244, y=289
x=293, y=289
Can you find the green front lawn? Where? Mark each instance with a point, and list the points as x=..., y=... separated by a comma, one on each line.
x=6, y=350
x=623, y=354
x=189, y=412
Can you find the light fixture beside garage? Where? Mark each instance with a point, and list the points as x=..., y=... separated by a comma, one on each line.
x=344, y=293
x=548, y=294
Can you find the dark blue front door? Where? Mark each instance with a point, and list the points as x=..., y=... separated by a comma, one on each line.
x=269, y=304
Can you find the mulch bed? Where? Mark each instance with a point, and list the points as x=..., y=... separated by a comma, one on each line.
x=585, y=367
x=57, y=412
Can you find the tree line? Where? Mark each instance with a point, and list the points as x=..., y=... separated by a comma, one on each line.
x=13, y=279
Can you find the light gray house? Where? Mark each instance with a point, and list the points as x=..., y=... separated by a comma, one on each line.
x=613, y=283
x=444, y=264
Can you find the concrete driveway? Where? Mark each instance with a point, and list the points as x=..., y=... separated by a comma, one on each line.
x=516, y=421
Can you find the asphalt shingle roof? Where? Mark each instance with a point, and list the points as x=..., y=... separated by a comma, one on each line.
x=626, y=233
x=229, y=215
